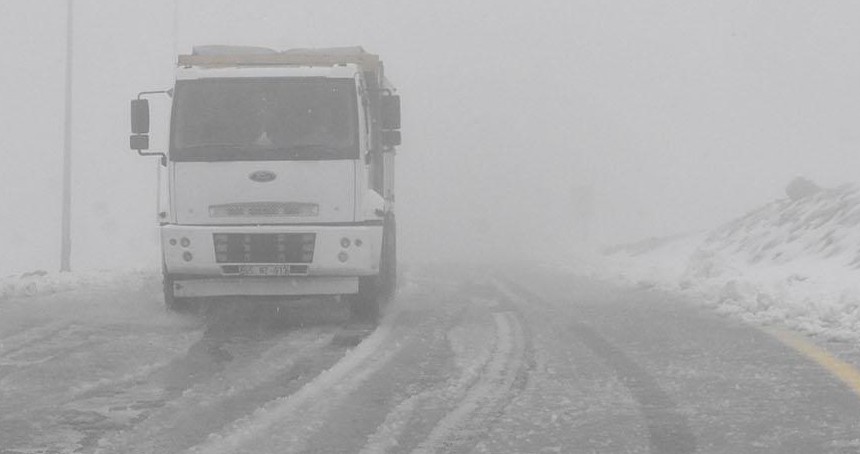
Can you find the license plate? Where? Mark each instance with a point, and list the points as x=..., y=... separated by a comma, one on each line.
x=264, y=270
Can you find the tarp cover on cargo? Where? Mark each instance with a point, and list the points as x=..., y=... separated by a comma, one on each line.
x=217, y=55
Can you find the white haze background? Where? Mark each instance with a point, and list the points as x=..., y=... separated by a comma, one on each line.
x=678, y=115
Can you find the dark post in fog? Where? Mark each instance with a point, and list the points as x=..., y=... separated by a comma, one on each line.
x=66, y=244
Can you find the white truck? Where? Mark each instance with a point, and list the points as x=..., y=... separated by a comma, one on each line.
x=279, y=175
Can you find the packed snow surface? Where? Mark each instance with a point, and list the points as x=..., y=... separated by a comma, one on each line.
x=36, y=283
x=793, y=262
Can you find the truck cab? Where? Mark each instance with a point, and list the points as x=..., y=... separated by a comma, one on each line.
x=279, y=176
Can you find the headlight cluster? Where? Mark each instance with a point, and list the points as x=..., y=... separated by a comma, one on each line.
x=185, y=243
x=346, y=243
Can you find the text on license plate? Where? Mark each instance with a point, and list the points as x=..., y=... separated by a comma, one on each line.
x=264, y=270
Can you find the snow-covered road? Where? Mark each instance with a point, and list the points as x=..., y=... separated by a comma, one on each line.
x=465, y=360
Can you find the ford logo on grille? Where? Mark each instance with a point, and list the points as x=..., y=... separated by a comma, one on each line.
x=263, y=176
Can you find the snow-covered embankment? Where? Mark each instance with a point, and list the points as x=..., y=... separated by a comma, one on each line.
x=794, y=262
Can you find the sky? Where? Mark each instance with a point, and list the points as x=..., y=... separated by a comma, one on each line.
x=671, y=116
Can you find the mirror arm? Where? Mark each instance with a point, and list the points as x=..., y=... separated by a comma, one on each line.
x=154, y=153
x=155, y=92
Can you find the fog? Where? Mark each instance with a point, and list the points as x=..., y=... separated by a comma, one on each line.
x=674, y=116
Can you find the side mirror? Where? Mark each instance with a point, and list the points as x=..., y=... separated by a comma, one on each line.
x=391, y=138
x=139, y=142
x=391, y=112
x=140, y=116
x=139, y=125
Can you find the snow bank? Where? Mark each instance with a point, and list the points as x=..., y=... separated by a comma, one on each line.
x=793, y=262
x=38, y=283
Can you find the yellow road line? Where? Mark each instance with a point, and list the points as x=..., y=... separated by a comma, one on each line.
x=845, y=372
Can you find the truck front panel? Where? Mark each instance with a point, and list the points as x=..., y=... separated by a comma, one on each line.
x=271, y=251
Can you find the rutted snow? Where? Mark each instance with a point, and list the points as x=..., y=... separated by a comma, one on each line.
x=114, y=324
x=793, y=262
x=243, y=374
x=285, y=424
x=472, y=344
x=487, y=396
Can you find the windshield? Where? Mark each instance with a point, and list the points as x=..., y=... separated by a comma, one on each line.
x=264, y=119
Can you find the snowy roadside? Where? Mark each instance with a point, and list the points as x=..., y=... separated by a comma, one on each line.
x=40, y=283
x=792, y=262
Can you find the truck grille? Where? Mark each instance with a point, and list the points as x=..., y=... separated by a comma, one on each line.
x=264, y=247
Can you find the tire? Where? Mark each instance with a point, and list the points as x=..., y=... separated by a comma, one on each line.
x=171, y=302
x=365, y=305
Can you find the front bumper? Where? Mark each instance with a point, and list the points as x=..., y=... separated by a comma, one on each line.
x=264, y=286
x=189, y=251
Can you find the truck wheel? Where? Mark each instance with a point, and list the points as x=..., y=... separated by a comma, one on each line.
x=365, y=304
x=171, y=302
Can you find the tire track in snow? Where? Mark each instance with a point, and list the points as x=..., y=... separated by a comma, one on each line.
x=485, y=397
x=669, y=430
x=234, y=392
x=492, y=351
x=285, y=425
